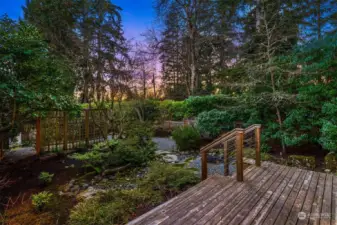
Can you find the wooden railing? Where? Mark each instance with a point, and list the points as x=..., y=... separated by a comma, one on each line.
x=236, y=135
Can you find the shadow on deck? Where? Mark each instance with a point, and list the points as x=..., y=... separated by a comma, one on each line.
x=270, y=194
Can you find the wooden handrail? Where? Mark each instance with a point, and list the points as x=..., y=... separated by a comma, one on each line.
x=228, y=137
x=238, y=135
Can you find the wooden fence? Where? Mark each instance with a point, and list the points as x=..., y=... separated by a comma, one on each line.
x=62, y=130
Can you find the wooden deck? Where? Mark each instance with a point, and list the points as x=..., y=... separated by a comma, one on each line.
x=270, y=194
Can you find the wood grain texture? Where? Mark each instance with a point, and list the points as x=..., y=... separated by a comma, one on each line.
x=271, y=194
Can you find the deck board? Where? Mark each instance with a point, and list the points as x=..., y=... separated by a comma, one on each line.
x=270, y=194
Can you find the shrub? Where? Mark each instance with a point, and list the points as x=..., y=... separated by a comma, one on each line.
x=250, y=153
x=118, y=206
x=187, y=138
x=146, y=110
x=328, y=137
x=214, y=122
x=175, y=110
x=300, y=161
x=45, y=177
x=137, y=151
x=93, y=159
x=199, y=104
x=41, y=200
x=130, y=152
x=112, y=207
x=330, y=161
x=106, y=145
x=170, y=178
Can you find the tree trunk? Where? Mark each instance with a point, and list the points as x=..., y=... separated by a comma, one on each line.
x=279, y=119
x=144, y=85
x=154, y=85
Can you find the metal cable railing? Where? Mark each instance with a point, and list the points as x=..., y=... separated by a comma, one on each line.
x=228, y=149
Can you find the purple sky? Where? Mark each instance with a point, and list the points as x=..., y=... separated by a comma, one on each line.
x=137, y=15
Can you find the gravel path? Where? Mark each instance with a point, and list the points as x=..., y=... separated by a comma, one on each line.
x=19, y=154
x=169, y=145
x=165, y=144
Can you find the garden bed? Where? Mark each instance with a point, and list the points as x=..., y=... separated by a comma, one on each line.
x=71, y=184
x=16, y=199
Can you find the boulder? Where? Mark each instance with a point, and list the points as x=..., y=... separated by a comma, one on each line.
x=170, y=158
x=89, y=193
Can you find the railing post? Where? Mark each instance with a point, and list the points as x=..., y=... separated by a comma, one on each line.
x=65, y=131
x=258, y=146
x=38, y=136
x=86, y=122
x=239, y=154
x=226, y=158
x=203, y=165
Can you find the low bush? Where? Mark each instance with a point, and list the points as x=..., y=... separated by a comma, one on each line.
x=214, y=122
x=41, y=200
x=187, y=138
x=170, y=178
x=301, y=161
x=130, y=152
x=250, y=153
x=330, y=161
x=45, y=177
x=136, y=151
x=119, y=206
x=112, y=207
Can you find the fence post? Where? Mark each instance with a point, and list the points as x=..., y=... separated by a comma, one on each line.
x=38, y=136
x=239, y=154
x=258, y=146
x=86, y=121
x=65, y=131
x=226, y=158
x=203, y=165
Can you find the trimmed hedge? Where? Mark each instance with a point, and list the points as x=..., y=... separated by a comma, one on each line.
x=214, y=122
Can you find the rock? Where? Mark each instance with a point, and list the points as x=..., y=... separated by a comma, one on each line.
x=89, y=193
x=105, y=180
x=214, y=158
x=72, y=182
x=85, y=186
x=111, y=177
x=67, y=188
x=75, y=189
x=327, y=170
x=249, y=161
x=170, y=158
x=163, y=152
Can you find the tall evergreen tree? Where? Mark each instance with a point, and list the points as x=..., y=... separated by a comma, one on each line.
x=90, y=32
